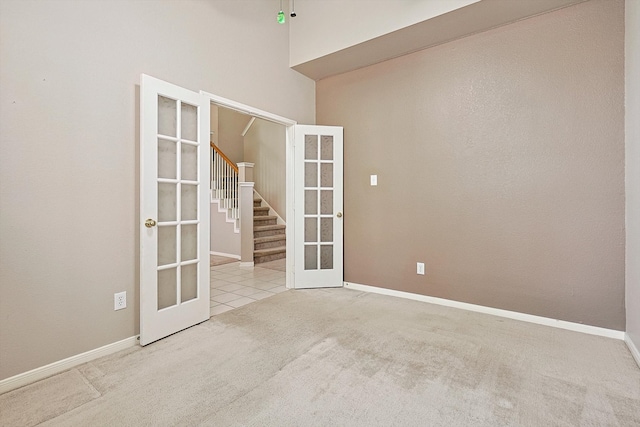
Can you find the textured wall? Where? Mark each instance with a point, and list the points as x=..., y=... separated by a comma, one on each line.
x=265, y=145
x=69, y=222
x=500, y=161
x=632, y=139
x=231, y=124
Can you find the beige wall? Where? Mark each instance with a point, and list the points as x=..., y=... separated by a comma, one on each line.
x=325, y=27
x=223, y=238
x=632, y=138
x=231, y=124
x=265, y=146
x=500, y=163
x=69, y=222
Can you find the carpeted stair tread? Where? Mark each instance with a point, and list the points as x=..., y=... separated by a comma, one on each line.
x=273, y=238
x=264, y=218
x=268, y=227
x=269, y=251
x=260, y=211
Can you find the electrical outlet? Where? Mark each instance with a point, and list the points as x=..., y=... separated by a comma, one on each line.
x=374, y=180
x=120, y=300
x=420, y=268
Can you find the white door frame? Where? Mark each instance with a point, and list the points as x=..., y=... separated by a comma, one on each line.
x=290, y=191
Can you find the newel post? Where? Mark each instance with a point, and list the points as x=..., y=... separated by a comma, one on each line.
x=245, y=202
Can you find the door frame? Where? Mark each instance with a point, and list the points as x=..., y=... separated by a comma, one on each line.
x=290, y=165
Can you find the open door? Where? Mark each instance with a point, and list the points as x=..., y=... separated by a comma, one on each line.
x=318, y=240
x=174, y=209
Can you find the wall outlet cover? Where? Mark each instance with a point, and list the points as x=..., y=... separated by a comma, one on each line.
x=120, y=300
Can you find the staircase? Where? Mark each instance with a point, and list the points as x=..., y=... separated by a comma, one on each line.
x=269, y=240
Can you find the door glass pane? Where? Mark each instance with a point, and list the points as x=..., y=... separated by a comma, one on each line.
x=166, y=245
x=189, y=124
x=326, y=147
x=166, y=202
x=189, y=202
x=311, y=147
x=189, y=282
x=311, y=257
x=310, y=174
x=326, y=174
x=189, y=242
x=189, y=162
x=326, y=202
x=167, y=117
x=310, y=230
x=167, y=288
x=166, y=159
x=326, y=229
x=326, y=257
x=310, y=202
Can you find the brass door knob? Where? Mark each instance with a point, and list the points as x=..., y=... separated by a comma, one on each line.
x=149, y=223
x=339, y=214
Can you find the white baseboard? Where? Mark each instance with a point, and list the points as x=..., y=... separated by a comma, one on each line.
x=632, y=348
x=246, y=264
x=43, y=372
x=234, y=256
x=562, y=324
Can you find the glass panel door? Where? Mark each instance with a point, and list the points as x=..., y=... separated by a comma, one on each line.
x=319, y=250
x=174, y=272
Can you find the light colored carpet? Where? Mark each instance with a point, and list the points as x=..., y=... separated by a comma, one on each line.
x=339, y=357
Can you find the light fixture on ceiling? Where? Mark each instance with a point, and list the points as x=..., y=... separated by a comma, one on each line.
x=281, y=16
x=293, y=9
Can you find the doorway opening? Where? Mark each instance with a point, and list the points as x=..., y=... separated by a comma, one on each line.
x=265, y=142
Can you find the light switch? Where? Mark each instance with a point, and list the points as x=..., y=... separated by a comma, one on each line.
x=374, y=180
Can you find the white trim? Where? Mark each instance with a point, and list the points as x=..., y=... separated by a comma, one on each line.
x=246, y=129
x=290, y=173
x=242, y=108
x=43, y=372
x=247, y=264
x=224, y=211
x=234, y=256
x=247, y=164
x=279, y=219
x=632, y=348
x=562, y=324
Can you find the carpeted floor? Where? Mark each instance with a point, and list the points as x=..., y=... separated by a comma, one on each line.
x=339, y=357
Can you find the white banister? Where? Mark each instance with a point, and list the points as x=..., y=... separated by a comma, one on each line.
x=224, y=184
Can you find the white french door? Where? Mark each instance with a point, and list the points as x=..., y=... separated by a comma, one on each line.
x=318, y=241
x=174, y=209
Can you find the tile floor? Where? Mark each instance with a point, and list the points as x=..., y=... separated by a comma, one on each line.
x=233, y=287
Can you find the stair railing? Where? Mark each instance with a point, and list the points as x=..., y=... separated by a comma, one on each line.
x=224, y=182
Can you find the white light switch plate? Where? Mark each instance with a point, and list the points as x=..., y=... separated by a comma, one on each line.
x=374, y=180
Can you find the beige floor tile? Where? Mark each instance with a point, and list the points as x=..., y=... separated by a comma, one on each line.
x=246, y=291
x=213, y=292
x=225, y=298
x=278, y=289
x=230, y=287
x=265, y=285
x=235, y=279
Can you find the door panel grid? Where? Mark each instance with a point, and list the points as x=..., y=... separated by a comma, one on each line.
x=177, y=201
x=174, y=205
x=318, y=192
